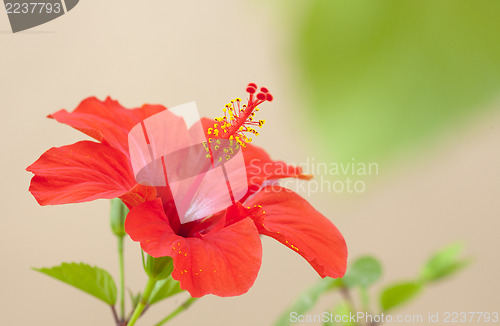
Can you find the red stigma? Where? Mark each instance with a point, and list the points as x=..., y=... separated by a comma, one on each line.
x=251, y=90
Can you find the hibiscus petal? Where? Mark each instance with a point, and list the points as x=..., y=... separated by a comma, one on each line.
x=80, y=172
x=261, y=167
x=291, y=220
x=107, y=121
x=224, y=263
x=138, y=195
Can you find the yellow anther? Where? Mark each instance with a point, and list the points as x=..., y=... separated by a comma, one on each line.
x=236, y=124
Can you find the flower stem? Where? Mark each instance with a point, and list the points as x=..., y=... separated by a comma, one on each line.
x=181, y=308
x=122, y=277
x=113, y=310
x=344, y=291
x=143, y=302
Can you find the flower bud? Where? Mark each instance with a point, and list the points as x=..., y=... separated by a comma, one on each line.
x=159, y=268
x=118, y=214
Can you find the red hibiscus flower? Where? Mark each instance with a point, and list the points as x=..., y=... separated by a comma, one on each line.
x=88, y=170
x=219, y=254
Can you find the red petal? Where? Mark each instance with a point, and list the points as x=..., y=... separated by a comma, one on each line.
x=138, y=195
x=260, y=167
x=148, y=224
x=107, y=121
x=80, y=172
x=224, y=263
x=291, y=220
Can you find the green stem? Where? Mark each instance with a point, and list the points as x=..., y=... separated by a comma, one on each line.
x=143, y=302
x=365, y=299
x=177, y=311
x=122, y=278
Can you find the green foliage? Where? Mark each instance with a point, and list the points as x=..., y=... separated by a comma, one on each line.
x=444, y=263
x=93, y=280
x=385, y=75
x=134, y=298
x=363, y=272
x=398, y=294
x=307, y=300
x=164, y=289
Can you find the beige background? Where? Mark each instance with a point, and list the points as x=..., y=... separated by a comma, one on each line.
x=171, y=52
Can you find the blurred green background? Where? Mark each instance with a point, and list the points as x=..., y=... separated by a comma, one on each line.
x=381, y=76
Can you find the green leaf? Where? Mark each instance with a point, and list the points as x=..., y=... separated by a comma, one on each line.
x=363, y=272
x=444, y=263
x=308, y=299
x=134, y=298
x=93, y=280
x=164, y=289
x=385, y=75
x=398, y=294
x=341, y=312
